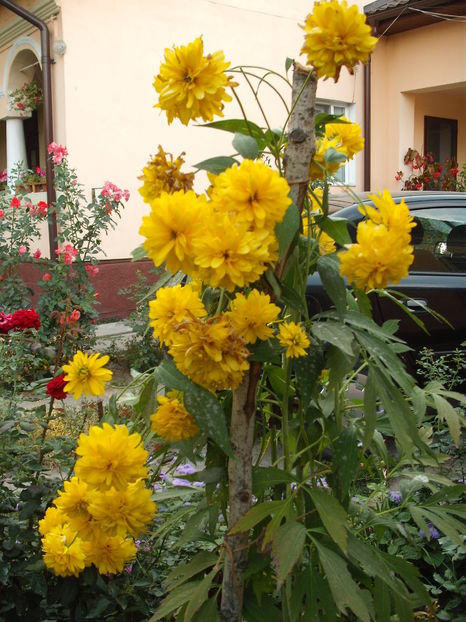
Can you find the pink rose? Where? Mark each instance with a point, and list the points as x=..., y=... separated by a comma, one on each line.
x=22, y=249
x=46, y=277
x=75, y=315
x=36, y=254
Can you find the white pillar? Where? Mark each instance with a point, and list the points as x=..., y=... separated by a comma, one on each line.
x=15, y=144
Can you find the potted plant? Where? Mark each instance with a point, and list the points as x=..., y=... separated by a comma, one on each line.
x=3, y=180
x=32, y=181
x=27, y=98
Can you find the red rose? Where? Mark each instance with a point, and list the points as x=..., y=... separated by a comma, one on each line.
x=15, y=202
x=55, y=388
x=6, y=322
x=25, y=318
x=426, y=180
x=454, y=171
x=437, y=174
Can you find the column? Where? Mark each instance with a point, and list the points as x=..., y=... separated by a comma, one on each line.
x=15, y=144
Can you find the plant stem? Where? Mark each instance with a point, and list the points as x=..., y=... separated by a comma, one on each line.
x=240, y=494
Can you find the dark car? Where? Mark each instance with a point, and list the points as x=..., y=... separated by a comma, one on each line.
x=437, y=278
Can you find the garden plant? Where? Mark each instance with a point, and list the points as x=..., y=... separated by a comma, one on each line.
x=300, y=498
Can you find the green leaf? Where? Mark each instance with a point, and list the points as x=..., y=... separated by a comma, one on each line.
x=287, y=547
x=139, y=253
x=265, y=477
x=175, y=600
x=287, y=229
x=216, y=165
x=256, y=515
x=290, y=297
x=308, y=369
x=288, y=62
x=332, y=515
x=336, y=229
x=334, y=333
x=246, y=146
x=345, y=591
x=208, y=612
x=328, y=268
x=333, y=155
x=448, y=413
x=265, y=351
x=237, y=126
x=199, y=595
x=200, y=403
x=370, y=409
x=345, y=462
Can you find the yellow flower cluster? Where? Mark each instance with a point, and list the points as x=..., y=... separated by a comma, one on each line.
x=326, y=243
x=336, y=36
x=171, y=420
x=294, y=339
x=191, y=85
x=102, y=508
x=383, y=252
x=228, y=241
x=163, y=174
x=86, y=374
x=343, y=137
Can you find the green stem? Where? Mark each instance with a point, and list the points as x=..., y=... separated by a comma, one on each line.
x=285, y=422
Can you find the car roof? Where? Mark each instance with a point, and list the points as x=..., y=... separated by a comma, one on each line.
x=414, y=199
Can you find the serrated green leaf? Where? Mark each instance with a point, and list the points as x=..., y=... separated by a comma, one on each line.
x=308, y=369
x=287, y=547
x=287, y=229
x=446, y=412
x=199, y=595
x=345, y=591
x=257, y=514
x=332, y=515
x=334, y=333
x=345, y=462
x=246, y=146
x=175, y=600
x=237, y=126
x=265, y=477
x=216, y=165
x=200, y=403
x=328, y=268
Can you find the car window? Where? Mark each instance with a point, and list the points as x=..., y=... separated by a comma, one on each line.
x=439, y=240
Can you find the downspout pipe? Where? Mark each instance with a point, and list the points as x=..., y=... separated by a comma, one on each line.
x=47, y=108
x=367, y=126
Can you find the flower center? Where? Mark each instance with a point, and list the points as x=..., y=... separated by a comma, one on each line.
x=83, y=373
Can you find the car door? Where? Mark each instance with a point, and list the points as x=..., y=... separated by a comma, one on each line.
x=437, y=280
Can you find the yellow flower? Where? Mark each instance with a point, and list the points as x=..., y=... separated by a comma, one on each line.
x=252, y=192
x=336, y=36
x=53, y=518
x=171, y=420
x=348, y=135
x=293, y=337
x=319, y=167
x=210, y=353
x=229, y=255
x=170, y=307
x=380, y=256
x=86, y=374
x=109, y=554
x=250, y=316
x=110, y=456
x=191, y=85
x=170, y=228
x=121, y=512
x=73, y=503
x=163, y=174
x=326, y=244
x=63, y=551
x=395, y=217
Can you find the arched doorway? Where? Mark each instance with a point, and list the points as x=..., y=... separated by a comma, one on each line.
x=23, y=121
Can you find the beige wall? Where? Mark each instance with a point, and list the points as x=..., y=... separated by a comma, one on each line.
x=415, y=73
x=106, y=117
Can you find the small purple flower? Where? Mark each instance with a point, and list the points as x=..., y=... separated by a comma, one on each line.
x=395, y=497
x=187, y=503
x=185, y=469
x=163, y=476
x=198, y=484
x=434, y=533
x=157, y=487
x=129, y=569
x=322, y=481
x=176, y=481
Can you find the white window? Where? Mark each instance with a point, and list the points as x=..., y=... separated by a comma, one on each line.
x=346, y=174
